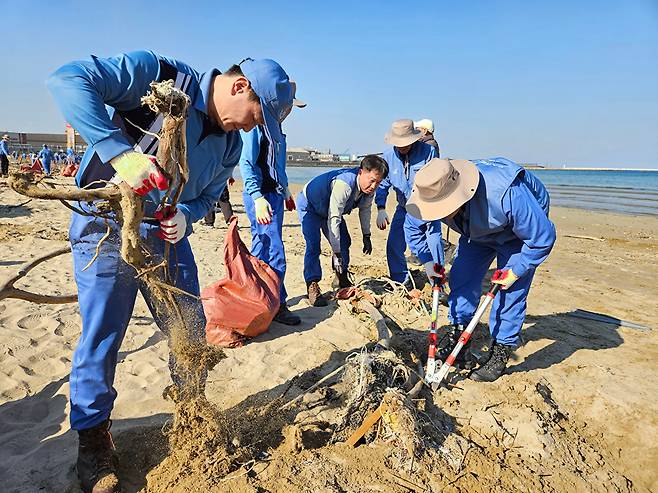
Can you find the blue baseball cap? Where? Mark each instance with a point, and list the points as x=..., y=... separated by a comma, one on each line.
x=275, y=91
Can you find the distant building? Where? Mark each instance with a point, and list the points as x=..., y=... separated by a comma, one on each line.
x=32, y=142
x=297, y=154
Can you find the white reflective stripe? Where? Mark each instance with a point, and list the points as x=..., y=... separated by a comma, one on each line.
x=271, y=159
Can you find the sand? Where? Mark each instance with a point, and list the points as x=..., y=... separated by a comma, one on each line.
x=602, y=376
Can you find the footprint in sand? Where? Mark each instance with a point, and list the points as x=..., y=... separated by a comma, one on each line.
x=43, y=323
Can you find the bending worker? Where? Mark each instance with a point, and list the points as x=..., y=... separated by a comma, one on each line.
x=501, y=212
x=406, y=156
x=263, y=169
x=321, y=206
x=256, y=92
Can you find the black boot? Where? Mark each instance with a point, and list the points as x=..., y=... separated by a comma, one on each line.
x=342, y=281
x=496, y=365
x=97, y=460
x=286, y=317
x=464, y=360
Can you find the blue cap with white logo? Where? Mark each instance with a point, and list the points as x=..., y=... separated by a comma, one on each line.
x=275, y=91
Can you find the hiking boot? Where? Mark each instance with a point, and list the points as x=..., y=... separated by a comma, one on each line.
x=464, y=360
x=496, y=365
x=315, y=297
x=342, y=281
x=286, y=317
x=97, y=460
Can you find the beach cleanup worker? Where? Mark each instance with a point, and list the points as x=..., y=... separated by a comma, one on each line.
x=321, y=206
x=501, y=212
x=223, y=204
x=4, y=155
x=46, y=157
x=406, y=156
x=426, y=127
x=263, y=170
x=121, y=148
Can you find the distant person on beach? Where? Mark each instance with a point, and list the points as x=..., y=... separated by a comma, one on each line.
x=501, y=212
x=46, y=157
x=406, y=156
x=4, y=155
x=255, y=92
x=321, y=206
x=426, y=127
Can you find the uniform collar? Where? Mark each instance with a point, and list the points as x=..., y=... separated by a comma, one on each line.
x=203, y=96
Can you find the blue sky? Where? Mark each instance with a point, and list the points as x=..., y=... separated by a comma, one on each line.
x=557, y=82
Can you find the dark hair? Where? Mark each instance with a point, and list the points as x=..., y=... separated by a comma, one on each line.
x=236, y=71
x=373, y=162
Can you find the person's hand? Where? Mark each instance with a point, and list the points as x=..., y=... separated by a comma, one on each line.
x=504, y=277
x=435, y=271
x=367, y=245
x=290, y=201
x=140, y=172
x=231, y=181
x=382, y=219
x=337, y=263
x=172, y=224
x=263, y=211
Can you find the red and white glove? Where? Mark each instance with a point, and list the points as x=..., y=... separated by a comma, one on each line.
x=263, y=210
x=140, y=172
x=172, y=224
x=504, y=277
x=231, y=181
x=435, y=271
x=290, y=201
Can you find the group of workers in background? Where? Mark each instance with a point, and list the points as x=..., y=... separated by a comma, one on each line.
x=38, y=161
x=499, y=209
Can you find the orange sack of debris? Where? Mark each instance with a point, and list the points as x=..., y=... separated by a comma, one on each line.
x=243, y=304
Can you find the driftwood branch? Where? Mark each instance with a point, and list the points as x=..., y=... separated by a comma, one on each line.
x=7, y=290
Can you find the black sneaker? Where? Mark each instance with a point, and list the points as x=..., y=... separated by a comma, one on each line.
x=496, y=365
x=286, y=317
x=97, y=460
x=341, y=281
x=464, y=360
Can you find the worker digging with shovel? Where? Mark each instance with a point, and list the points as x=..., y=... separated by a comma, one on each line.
x=501, y=212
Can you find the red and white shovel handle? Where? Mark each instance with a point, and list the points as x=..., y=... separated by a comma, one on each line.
x=437, y=288
x=465, y=335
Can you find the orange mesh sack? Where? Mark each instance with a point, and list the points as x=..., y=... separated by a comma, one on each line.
x=243, y=304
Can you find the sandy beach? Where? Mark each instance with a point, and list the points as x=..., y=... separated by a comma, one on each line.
x=602, y=376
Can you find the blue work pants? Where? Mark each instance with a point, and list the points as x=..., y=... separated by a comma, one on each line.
x=266, y=239
x=107, y=290
x=469, y=267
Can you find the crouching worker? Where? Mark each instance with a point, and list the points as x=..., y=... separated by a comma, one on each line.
x=321, y=205
x=501, y=212
x=101, y=99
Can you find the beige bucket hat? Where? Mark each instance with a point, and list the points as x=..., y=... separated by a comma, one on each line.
x=441, y=187
x=402, y=133
x=5, y=136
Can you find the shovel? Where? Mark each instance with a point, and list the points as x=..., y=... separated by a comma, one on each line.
x=435, y=378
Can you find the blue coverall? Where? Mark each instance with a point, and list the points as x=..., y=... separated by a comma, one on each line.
x=266, y=239
x=46, y=157
x=423, y=237
x=313, y=207
x=108, y=288
x=507, y=219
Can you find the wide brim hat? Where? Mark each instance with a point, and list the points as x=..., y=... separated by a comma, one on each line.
x=441, y=187
x=402, y=133
x=5, y=136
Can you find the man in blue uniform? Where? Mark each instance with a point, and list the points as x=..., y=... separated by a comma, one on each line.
x=406, y=156
x=265, y=194
x=255, y=92
x=46, y=157
x=321, y=206
x=501, y=212
x=4, y=155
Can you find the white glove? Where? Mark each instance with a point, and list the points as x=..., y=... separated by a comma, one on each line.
x=140, y=172
x=172, y=226
x=263, y=211
x=382, y=219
